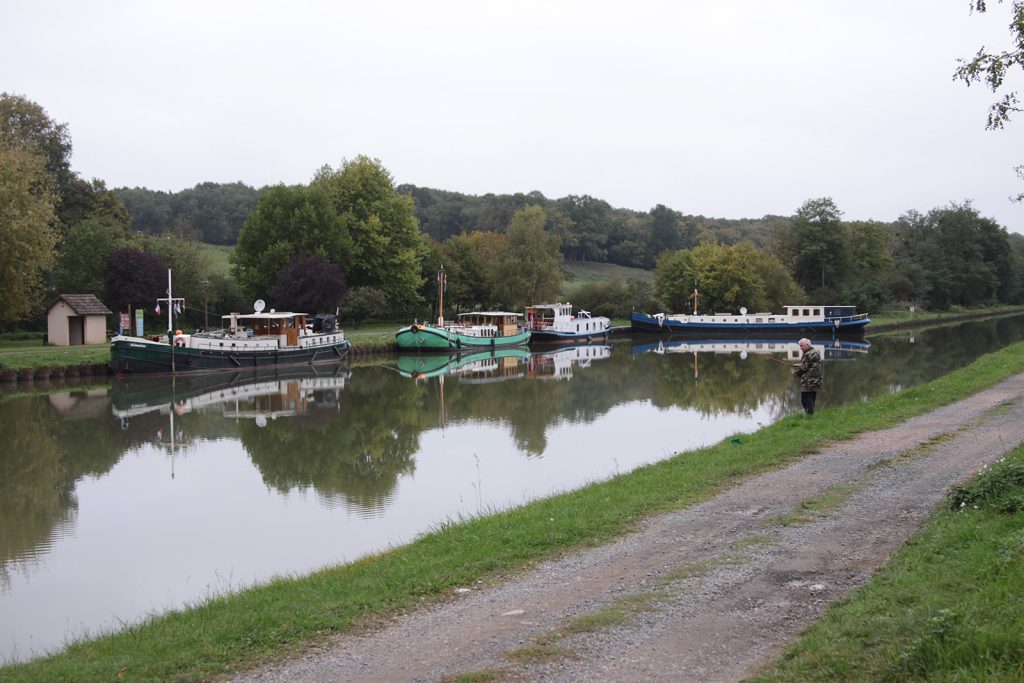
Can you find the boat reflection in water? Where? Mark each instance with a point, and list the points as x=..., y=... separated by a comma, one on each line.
x=503, y=364
x=478, y=367
x=249, y=394
x=831, y=349
x=558, y=363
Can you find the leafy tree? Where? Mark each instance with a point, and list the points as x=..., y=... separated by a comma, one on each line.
x=590, y=227
x=81, y=200
x=209, y=212
x=24, y=124
x=615, y=299
x=628, y=241
x=83, y=257
x=727, y=278
x=26, y=228
x=383, y=243
x=675, y=280
x=496, y=211
x=309, y=283
x=991, y=69
x=472, y=262
x=361, y=303
x=814, y=248
x=190, y=266
x=528, y=271
x=664, y=230
x=287, y=221
x=952, y=256
x=136, y=278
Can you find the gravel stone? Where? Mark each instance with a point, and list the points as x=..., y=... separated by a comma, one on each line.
x=729, y=583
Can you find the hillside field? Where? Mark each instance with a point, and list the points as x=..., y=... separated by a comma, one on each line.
x=580, y=273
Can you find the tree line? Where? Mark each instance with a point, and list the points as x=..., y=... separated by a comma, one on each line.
x=350, y=239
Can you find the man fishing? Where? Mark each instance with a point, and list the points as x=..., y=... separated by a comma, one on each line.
x=809, y=371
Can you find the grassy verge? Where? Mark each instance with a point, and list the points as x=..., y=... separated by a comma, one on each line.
x=900, y=319
x=948, y=607
x=373, y=334
x=32, y=354
x=284, y=616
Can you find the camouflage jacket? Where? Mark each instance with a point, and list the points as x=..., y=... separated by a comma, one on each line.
x=810, y=371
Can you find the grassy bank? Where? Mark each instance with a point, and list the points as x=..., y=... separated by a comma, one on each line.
x=949, y=606
x=888, y=320
x=18, y=355
x=32, y=354
x=284, y=616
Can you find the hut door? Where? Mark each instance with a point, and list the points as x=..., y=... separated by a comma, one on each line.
x=76, y=330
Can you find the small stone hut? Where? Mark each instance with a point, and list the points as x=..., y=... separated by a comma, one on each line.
x=76, y=319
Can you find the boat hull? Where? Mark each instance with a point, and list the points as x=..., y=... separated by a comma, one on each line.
x=133, y=357
x=642, y=322
x=550, y=337
x=430, y=338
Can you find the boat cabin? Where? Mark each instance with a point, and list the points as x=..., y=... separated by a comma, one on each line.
x=804, y=312
x=543, y=316
x=491, y=323
x=286, y=328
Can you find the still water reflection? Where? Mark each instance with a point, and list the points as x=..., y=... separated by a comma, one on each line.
x=152, y=493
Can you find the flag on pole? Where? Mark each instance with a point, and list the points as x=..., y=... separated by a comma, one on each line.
x=177, y=308
x=158, y=309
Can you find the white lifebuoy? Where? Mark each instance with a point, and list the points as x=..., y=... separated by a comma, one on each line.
x=179, y=342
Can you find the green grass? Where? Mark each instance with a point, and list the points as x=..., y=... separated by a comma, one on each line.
x=580, y=273
x=284, y=616
x=32, y=354
x=20, y=354
x=948, y=607
x=373, y=334
x=218, y=255
x=905, y=318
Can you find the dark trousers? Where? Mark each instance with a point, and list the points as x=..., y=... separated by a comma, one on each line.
x=807, y=401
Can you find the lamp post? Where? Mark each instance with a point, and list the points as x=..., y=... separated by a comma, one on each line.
x=206, y=307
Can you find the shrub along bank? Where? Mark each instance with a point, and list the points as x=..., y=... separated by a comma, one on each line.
x=284, y=616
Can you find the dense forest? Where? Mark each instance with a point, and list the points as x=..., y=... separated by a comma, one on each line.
x=588, y=229
x=354, y=240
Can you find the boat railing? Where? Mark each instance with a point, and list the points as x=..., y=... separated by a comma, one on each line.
x=848, y=318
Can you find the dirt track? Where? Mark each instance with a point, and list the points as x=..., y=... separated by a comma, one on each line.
x=726, y=584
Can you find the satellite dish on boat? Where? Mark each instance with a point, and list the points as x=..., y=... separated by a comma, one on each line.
x=259, y=305
x=743, y=310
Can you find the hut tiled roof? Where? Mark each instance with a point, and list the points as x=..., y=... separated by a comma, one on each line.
x=83, y=304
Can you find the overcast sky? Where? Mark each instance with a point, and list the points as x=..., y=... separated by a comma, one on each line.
x=727, y=109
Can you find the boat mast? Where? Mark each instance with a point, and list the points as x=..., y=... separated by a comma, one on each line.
x=171, y=301
x=442, y=284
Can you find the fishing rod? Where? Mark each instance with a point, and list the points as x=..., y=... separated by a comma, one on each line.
x=777, y=360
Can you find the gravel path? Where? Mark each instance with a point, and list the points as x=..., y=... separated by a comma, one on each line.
x=724, y=584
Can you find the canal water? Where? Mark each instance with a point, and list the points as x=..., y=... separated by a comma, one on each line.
x=137, y=496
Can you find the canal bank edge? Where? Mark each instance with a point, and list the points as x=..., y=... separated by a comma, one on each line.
x=47, y=370
x=285, y=617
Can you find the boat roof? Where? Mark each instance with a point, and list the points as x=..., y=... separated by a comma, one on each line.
x=489, y=313
x=264, y=316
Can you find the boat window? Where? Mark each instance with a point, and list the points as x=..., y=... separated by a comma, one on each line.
x=807, y=311
x=758, y=320
x=817, y=311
